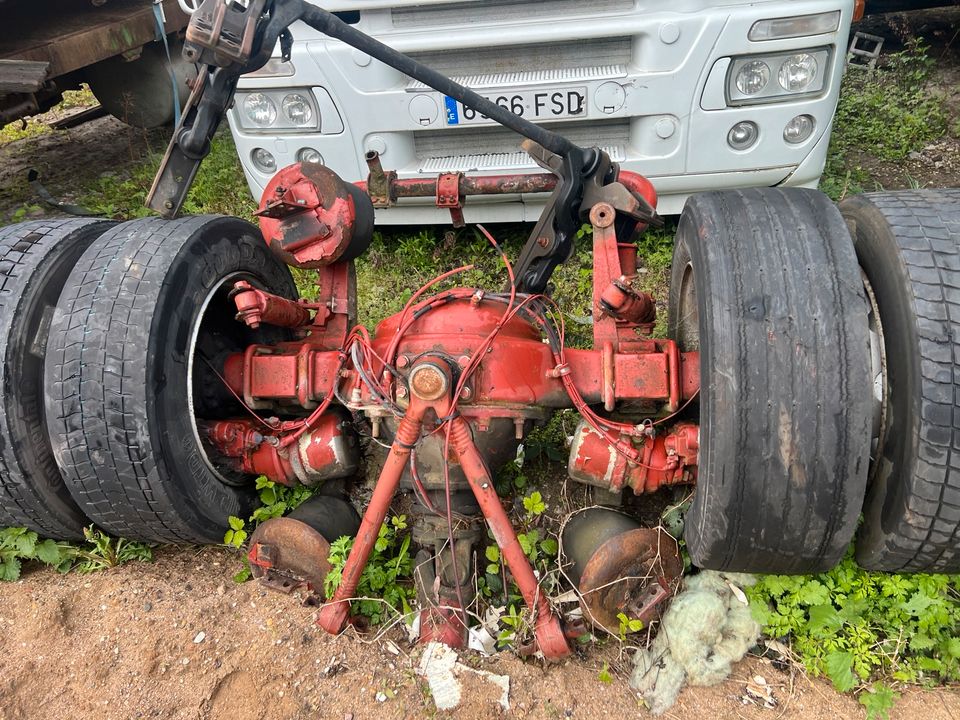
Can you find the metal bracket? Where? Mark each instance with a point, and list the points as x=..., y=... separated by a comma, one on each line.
x=448, y=196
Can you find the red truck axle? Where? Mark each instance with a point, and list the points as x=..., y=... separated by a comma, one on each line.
x=452, y=383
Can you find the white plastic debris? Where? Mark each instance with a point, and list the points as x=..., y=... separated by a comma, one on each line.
x=440, y=668
x=481, y=640
x=436, y=666
x=199, y=638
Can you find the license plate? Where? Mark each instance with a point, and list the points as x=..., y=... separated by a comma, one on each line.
x=541, y=104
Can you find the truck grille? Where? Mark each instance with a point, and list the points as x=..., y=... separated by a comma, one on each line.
x=498, y=11
x=443, y=151
x=524, y=64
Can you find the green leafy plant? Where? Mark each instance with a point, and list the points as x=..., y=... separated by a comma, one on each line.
x=605, y=676
x=865, y=630
x=275, y=500
x=628, y=625
x=887, y=112
x=98, y=552
x=102, y=551
x=385, y=587
x=534, y=505
x=516, y=627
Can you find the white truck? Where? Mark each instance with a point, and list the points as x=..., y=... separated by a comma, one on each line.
x=695, y=95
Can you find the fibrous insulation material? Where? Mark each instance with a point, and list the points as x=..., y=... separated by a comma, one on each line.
x=705, y=631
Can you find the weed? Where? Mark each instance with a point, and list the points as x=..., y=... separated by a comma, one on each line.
x=605, y=676
x=628, y=625
x=20, y=129
x=888, y=113
x=102, y=551
x=864, y=630
x=385, y=588
x=98, y=552
x=218, y=188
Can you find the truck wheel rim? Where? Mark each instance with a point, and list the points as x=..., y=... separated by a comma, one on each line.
x=688, y=320
x=880, y=389
x=198, y=334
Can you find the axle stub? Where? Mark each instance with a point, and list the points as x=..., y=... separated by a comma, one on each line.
x=290, y=552
x=619, y=567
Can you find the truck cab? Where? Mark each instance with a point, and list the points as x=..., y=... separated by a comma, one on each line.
x=695, y=95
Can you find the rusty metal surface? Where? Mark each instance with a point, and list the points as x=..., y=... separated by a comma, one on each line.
x=71, y=35
x=291, y=552
x=286, y=554
x=632, y=573
x=311, y=218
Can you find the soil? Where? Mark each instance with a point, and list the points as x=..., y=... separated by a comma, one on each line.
x=177, y=638
x=123, y=643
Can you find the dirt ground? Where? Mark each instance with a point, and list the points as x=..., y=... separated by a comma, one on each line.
x=124, y=644
x=177, y=638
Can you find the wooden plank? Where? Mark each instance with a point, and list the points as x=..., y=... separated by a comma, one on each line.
x=75, y=35
x=22, y=76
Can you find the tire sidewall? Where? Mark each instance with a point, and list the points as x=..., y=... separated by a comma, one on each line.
x=886, y=499
x=704, y=523
x=224, y=247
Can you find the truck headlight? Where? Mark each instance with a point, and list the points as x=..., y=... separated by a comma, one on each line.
x=297, y=109
x=278, y=110
x=753, y=77
x=750, y=79
x=259, y=109
x=798, y=72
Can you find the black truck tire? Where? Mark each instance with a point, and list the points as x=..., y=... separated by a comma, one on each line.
x=765, y=284
x=908, y=244
x=120, y=400
x=35, y=259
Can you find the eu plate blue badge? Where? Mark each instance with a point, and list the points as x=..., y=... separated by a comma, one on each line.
x=453, y=114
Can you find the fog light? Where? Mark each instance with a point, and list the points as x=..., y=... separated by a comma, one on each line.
x=753, y=77
x=743, y=135
x=309, y=155
x=797, y=72
x=263, y=160
x=799, y=129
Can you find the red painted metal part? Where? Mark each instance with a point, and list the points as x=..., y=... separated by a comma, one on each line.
x=444, y=625
x=385, y=188
x=307, y=215
x=333, y=615
x=618, y=310
x=667, y=459
x=303, y=373
x=323, y=453
x=549, y=633
x=448, y=196
x=547, y=629
x=309, y=218
x=255, y=306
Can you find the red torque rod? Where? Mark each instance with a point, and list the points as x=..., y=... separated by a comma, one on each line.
x=333, y=615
